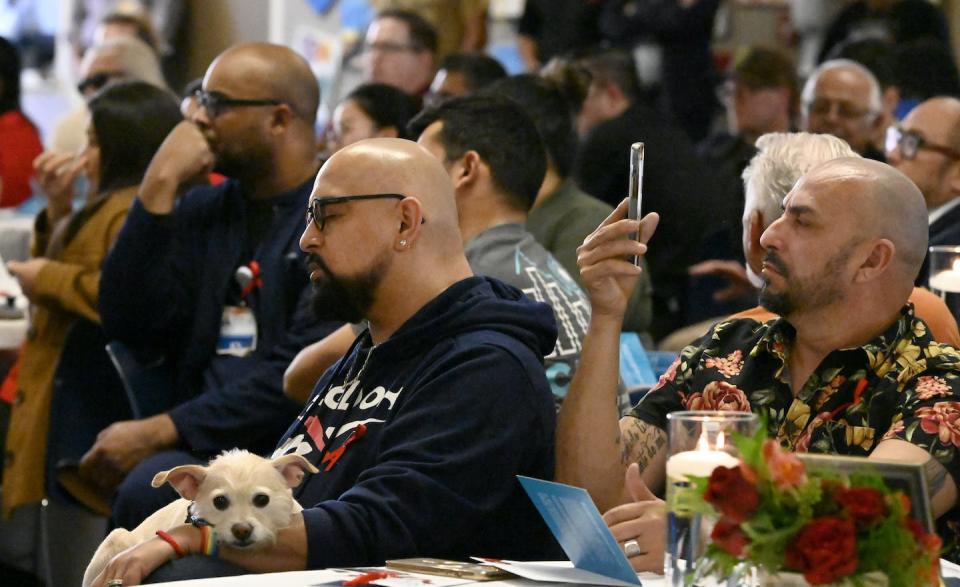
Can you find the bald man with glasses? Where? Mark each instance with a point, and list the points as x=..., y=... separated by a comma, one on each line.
x=926, y=148
x=420, y=430
x=211, y=281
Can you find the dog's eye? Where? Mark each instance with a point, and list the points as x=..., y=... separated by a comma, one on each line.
x=221, y=502
x=261, y=500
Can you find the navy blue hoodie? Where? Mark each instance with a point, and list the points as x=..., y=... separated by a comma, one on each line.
x=418, y=440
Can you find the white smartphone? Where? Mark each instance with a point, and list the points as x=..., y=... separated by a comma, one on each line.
x=636, y=188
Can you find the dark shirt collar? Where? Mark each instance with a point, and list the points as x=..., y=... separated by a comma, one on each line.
x=780, y=335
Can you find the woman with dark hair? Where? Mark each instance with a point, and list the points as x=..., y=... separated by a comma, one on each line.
x=67, y=390
x=19, y=139
x=370, y=111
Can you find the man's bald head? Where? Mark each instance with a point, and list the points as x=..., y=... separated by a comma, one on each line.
x=278, y=72
x=384, y=238
x=884, y=203
x=927, y=149
x=386, y=165
x=949, y=108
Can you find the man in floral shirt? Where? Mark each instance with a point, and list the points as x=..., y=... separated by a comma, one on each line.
x=847, y=370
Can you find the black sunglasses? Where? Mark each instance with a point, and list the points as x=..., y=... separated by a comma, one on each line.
x=95, y=82
x=315, y=208
x=216, y=103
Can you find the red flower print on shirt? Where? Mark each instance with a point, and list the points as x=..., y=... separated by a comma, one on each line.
x=943, y=419
x=718, y=395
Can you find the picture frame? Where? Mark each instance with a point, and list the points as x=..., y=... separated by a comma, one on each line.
x=899, y=475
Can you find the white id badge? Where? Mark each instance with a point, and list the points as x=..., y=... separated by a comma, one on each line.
x=238, y=332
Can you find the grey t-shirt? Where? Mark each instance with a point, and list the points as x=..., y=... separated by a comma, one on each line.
x=509, y=253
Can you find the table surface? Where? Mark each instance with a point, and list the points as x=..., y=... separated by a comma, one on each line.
x=310, y=578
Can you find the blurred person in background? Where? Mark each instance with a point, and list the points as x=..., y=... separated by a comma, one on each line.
x=464, y=73
x=66, y=389
x=880, y=57
x=400, y=50
x=683, y=31
x=124, y=24
x=676, y=183
x=119, y=58
x=164, y=18
x=370, y=111
x=562, y=214
x=924, y=68
x=19, y=138
x=461, y=25
x=897, y=21
x=761, y=96
x=550, y=28
x=842, y=98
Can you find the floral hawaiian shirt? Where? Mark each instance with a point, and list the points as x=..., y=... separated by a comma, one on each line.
x=902, y=384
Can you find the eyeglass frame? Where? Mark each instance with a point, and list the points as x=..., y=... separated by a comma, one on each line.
x=390, y=47
x=919, y=142
x=98, y=81
x=844, y=109
x=319, y=222
x=216, y=103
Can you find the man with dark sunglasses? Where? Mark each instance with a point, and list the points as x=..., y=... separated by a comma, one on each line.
x=213, y=282
x=926, y=148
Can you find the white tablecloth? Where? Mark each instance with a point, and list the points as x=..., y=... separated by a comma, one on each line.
x=309, y=578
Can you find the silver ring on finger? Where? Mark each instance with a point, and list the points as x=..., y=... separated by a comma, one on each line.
x=115, y=583
x=631, y=548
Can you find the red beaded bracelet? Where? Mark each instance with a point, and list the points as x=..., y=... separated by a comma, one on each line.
x=179, y=550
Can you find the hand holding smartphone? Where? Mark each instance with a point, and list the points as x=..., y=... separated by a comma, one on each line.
x=636, y=189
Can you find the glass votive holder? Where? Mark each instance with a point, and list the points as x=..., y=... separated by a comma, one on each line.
x=698, y=442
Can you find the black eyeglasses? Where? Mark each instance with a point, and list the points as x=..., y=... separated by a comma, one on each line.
x=216, y=103
x=95, y=83
x=315, y=208
x=910, y=142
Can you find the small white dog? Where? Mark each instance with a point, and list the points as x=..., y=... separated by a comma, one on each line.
x=247, y=498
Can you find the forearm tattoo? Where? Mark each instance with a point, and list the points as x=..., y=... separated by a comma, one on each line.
x=641, y=442
x=936, y=475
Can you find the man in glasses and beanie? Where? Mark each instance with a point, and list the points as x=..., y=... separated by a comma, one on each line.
x=212, y=281
x=420, y=430
x=926, y=148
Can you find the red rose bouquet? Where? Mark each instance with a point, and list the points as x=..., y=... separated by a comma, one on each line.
x=778, y=517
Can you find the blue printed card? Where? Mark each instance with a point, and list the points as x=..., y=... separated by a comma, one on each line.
x=578, y=527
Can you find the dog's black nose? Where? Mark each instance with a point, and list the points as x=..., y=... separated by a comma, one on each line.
x=241, y=531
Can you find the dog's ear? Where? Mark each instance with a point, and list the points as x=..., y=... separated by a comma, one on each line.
x=293, y=467
x=186, y=479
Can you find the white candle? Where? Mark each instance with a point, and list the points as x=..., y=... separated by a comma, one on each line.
x=699, y=463
x=948, y=279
